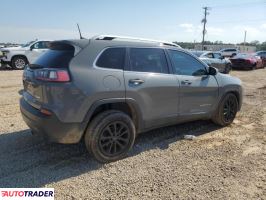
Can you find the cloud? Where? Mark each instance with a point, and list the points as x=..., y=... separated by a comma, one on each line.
x=187, y=27
x=191, y=28
x=215, y=31
x=24, y=34
x=250, y=29
x=263, y=26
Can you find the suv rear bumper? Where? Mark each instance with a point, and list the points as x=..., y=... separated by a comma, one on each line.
x=50, y=127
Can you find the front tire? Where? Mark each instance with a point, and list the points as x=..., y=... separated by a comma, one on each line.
x=18, y=62
x=226, y=111
x=110, y=135
x=228, y=68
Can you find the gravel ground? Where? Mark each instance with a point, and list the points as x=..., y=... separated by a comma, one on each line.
x=221, y=163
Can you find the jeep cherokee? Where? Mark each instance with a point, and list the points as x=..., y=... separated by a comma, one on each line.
x=107, y=89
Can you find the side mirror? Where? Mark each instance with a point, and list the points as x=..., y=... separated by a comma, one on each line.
x=212, y=71
x=222, y=57
x=31, y=47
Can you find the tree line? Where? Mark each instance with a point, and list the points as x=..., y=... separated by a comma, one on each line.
x=190, y=45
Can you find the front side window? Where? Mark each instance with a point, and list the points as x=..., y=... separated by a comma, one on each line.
x=217, y=55
x=112, y=58
x=148, y=60
x=185, y=64
x=41, y=45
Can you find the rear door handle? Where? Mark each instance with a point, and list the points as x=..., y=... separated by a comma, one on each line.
x=136, y=81
x=186, y=82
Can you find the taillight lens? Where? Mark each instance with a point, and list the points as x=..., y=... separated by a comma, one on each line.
x=52, y=75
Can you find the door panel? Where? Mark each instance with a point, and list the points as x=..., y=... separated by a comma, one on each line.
x=147, y=81
x=36, y=50
x=198, y=90
x=34, y=54
x=156, y=94
x=198, y=94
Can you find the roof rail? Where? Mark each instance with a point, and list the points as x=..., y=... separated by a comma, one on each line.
x=114, y=37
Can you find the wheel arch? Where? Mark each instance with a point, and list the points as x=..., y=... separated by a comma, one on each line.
x=19, y=55
x=128, y=106
x=236, y=93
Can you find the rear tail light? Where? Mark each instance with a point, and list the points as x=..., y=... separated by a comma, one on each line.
x=52, y=75
x=248, y=61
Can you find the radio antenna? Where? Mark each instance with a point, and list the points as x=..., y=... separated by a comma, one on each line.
x=80, y=36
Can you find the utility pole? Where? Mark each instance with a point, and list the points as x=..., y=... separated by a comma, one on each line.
x=204, y=21
x=245, y=37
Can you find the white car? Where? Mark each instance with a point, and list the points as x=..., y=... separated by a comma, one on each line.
x=18, y=57
x=230, y=52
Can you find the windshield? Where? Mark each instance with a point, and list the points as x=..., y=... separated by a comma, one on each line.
x=243, y=55
x=27, y=44
x=197, y=53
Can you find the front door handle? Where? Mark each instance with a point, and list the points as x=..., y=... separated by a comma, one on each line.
x=136, y=81
x=186, y=82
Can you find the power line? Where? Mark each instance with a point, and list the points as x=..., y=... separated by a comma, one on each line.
x=235, y=21
x=240, y=4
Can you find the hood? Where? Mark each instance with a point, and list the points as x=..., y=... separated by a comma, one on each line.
x=19, y=48
x=225, y=79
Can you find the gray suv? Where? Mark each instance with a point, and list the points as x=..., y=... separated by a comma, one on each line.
x=107, y=89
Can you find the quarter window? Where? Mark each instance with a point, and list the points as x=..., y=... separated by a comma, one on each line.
x=185, y=64
x=148, y=60
x=112, y=58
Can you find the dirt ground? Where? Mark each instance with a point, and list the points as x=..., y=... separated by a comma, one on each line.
x=221, y=163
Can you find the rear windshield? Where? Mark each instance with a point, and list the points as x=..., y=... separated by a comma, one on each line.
x=58, y=56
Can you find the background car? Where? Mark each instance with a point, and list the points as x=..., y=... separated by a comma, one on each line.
x=246, y=61
x=262, y=55
x=18, y=57
x=230, y=52
x=214, y=59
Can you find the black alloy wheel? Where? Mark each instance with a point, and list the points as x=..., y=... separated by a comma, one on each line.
x=114, y=139
x=229, y=109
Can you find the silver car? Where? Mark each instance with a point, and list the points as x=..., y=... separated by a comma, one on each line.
x=215, y=59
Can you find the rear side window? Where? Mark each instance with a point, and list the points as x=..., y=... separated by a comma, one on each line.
x=112, y=58
x=148, y=60
x=58, y=56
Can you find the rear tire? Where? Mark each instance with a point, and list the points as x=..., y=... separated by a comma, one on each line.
x=18, y=62
x=110, y=135
x=253, y=67
x=226, y=111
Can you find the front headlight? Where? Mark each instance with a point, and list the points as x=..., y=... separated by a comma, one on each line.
x=5, y=52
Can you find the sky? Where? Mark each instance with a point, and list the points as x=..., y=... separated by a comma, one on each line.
x=171, y=20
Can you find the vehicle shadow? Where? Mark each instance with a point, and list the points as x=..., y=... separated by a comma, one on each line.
x=28, y=161
x=5, y=68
